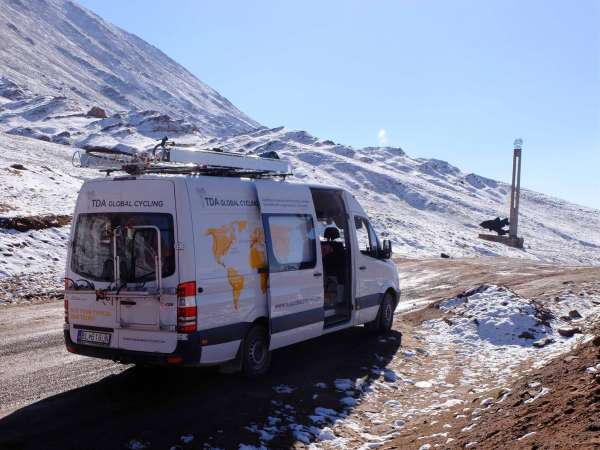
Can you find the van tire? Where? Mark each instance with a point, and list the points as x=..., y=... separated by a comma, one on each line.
x=385, y=317
x=256, y=356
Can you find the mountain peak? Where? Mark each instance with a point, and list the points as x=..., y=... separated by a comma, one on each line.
x=58, y=48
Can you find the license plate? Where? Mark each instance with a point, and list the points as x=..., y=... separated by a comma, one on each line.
x=93, y=337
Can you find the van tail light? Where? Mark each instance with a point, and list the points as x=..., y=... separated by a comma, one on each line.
x=186, y=307
x=66, y=311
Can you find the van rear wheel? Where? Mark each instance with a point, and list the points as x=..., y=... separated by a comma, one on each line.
x=385, y=317
x=256, y=357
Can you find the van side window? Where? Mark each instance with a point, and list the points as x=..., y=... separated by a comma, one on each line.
x=375, y=245
x=368, y=243
x=292, y=243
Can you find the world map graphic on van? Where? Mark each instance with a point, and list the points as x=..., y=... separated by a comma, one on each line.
x=223, y=240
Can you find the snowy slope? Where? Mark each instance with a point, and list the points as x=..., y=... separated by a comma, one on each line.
x=65, y=59
x=60, y=121
x=45, y=183
x=428, y=206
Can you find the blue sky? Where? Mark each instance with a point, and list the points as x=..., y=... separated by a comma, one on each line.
x=451, y=80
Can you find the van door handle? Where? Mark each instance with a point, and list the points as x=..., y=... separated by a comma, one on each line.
x=362, y=268
x=317, y=274
x=127, y=302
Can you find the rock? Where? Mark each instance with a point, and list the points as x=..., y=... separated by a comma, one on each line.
x=574, y=314
x=487, y=401
x=18, y=167
x=526, y=335
x=63, y=138
x=389, y=376
x=595, y=426
x=570, y=358
x=97, y=112
x=444, y=255
x=502, y=392
x=596, y=341
x=26, y=223
x=540, y=343
x=568, y=332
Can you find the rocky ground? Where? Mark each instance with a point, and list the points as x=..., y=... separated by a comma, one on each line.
x=542, y=401
x=30, y=289
x=476, y=360
x=37, y=222
x=557, y=406
x=465, y=352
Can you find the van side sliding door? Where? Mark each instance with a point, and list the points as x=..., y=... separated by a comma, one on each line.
x=295, y=288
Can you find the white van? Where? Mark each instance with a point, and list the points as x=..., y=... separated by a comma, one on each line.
x=212, y=270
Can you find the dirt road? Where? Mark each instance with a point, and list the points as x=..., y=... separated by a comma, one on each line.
x=52, y=399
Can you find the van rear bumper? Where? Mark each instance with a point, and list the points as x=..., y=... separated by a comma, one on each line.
x=186, y=353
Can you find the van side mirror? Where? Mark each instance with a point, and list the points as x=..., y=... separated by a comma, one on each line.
x=386, y=249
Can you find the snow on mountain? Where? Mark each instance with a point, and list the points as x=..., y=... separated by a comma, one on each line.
x=58, y=58
x=59, y=121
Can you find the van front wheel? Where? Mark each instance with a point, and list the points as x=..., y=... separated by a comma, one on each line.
x=385, y=318
x=256, y=358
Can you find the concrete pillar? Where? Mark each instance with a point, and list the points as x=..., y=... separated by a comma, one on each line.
x=515, y=192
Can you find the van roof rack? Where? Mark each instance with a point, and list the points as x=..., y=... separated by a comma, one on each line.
x=193, y=169
x=220, y=159
x=177, y=161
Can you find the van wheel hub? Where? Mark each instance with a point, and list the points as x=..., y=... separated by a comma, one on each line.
x=257, y=352
x=388, y=314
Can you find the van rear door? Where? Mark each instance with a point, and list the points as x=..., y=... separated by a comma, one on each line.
x=123, y=266
x=295, y=293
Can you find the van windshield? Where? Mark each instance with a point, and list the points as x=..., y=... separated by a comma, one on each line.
x=93, y=246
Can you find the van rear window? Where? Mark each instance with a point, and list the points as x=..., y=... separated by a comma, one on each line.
x=97, y=235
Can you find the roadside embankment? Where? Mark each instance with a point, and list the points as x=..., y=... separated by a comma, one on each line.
x=37, y=222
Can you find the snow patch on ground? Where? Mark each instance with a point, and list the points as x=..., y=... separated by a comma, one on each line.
x=492, y=320
x=284, y=389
